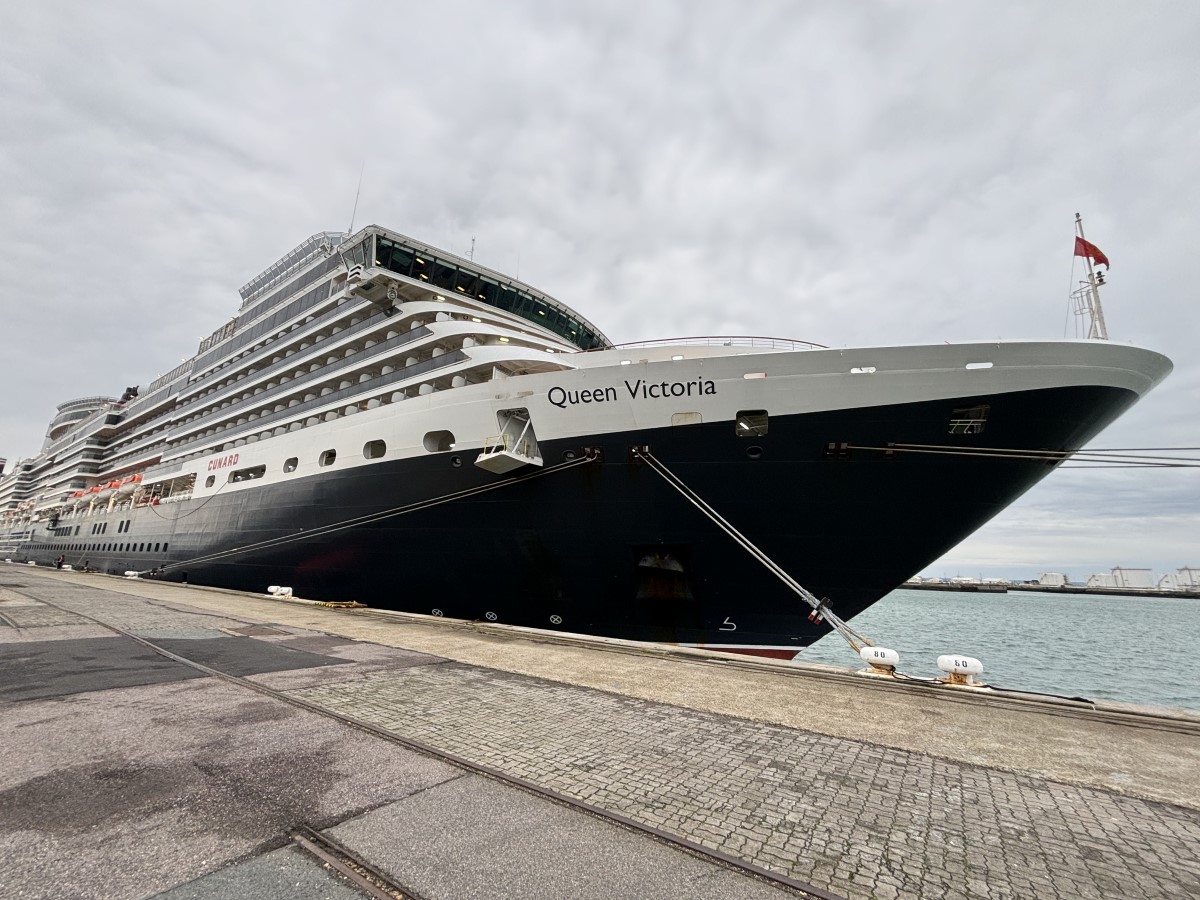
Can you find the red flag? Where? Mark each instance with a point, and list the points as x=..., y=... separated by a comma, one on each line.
x=1087, y=248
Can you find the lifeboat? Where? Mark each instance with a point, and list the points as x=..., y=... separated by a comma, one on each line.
x=128, y=485
x=107, y=490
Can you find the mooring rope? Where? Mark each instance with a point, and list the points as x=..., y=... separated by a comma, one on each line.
x=1085, y=458
x=820, y=608
x=370, y=518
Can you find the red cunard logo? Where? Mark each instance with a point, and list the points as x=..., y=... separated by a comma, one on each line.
x=222, y=461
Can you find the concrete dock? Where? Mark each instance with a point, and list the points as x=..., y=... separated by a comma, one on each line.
x=129, y=774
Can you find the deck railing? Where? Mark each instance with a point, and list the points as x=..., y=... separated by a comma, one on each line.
x=740, y=340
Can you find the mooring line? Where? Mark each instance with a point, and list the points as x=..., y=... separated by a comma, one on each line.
x=370, y=518
x=820, y=607
x=1101, y=459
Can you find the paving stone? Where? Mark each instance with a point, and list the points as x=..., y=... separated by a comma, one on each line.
x=894, y=823
x=857, y=819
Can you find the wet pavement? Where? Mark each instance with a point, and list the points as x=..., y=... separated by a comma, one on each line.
x=128, y=774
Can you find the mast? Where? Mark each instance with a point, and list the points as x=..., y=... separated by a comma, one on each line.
x=1090, y=292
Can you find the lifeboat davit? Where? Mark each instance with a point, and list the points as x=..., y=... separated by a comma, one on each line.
x=128, y=485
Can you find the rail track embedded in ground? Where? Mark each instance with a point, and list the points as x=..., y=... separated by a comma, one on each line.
x=355, y=870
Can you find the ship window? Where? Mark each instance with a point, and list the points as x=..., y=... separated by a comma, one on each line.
x=328, y=457
x=156, y=548
x=165, y=546
x=290, y=464
x=374, y=449
x=248, y=473
x=439, y=441
x=751, y=423
x=969, y=420
x=210, y=480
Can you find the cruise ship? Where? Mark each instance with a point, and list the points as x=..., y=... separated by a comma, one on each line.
x=388, y=423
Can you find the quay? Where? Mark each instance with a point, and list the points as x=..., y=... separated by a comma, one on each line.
x=161, y=740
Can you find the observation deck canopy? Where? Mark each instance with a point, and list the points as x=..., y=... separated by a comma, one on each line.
x=455, y=275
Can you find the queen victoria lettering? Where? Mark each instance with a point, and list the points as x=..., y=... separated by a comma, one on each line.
x=638, y=390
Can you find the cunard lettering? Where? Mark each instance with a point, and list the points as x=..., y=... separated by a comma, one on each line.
x=222, y=461
x=638, y=390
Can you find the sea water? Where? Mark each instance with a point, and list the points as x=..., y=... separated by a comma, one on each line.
x=1129, y=649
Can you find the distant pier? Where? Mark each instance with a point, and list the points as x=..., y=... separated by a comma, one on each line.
x=992, y=588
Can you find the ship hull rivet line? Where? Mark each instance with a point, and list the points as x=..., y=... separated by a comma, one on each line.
x=461, y=762
x=820, y=608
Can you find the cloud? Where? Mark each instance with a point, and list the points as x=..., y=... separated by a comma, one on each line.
x=844, y=174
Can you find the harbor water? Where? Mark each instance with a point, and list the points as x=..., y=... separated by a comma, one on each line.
x=1128, y=649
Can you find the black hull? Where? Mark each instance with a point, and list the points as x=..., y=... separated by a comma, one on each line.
x=609, y=548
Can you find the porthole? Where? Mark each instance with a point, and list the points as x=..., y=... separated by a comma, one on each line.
x=156, y=548
x=754, y=452
x=291, y=464
x=374, y=449
x=438, y=441
x=210, y=481
x=751, y=423
x=568, y=455
x=456, y=461
x=327, y=457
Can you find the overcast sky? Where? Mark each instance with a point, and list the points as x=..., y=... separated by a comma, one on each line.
x=846, y=173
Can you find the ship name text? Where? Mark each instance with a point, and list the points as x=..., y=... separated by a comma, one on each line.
x=222, y=461
x=639, y=389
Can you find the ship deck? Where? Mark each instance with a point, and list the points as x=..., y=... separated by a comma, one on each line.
x=537, y=765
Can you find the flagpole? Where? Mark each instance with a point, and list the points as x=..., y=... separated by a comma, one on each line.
x=1097, y=330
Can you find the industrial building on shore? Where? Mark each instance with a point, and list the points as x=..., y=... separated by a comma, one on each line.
x=1184, y=580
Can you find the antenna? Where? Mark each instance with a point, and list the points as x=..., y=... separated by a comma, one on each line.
x=354, y=212
x=471, y=252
